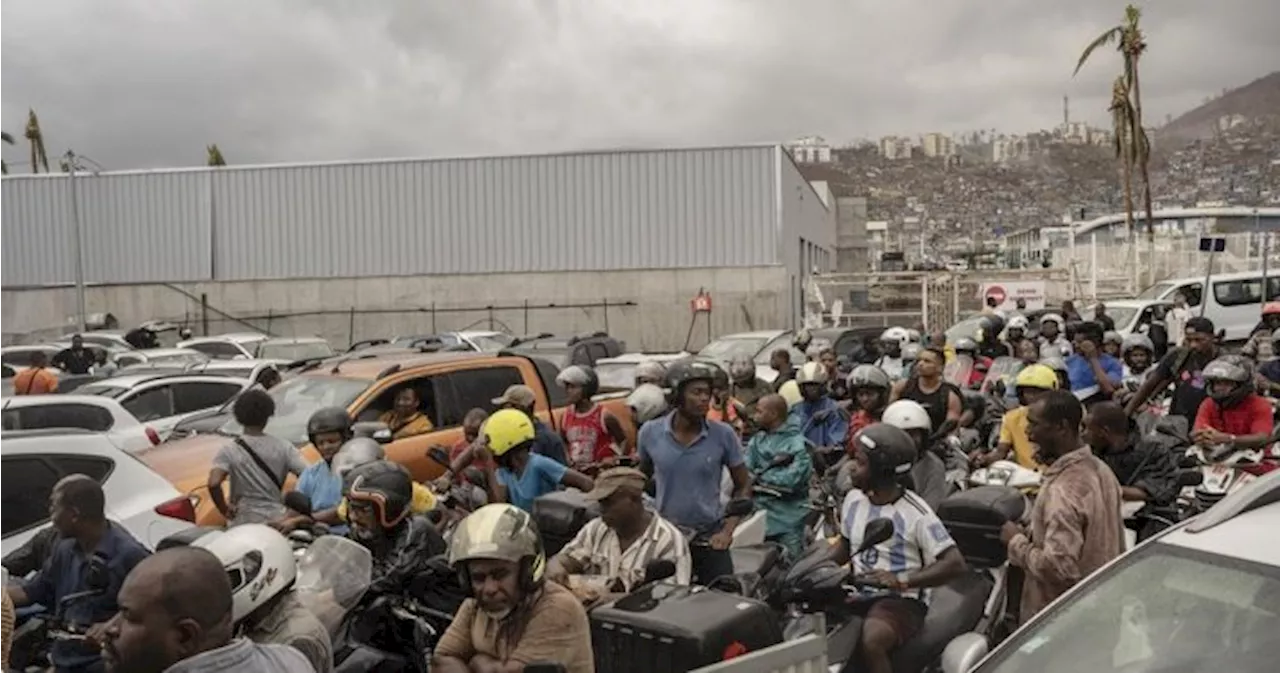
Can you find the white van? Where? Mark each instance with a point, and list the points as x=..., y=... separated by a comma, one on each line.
x=1234, y=305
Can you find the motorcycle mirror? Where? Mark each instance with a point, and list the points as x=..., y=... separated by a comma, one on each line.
x=877, y=531
x=782, y=460
x=378, y=432
x=660, y=569
x=299, y=502
x=439, y=455
x=740, y=507
x=1190, y=478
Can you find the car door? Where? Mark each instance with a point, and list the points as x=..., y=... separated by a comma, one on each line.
x=192, y=397
x=149, y=403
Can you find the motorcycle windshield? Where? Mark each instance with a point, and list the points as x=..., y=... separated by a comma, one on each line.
x=958, y=371
x=333, y=576
x=1002, y=369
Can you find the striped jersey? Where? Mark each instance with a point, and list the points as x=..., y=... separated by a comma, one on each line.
x=597, y=549
x=919, y=537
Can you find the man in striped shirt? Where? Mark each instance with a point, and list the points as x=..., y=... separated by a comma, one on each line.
x=920, y=553
x=625, y=539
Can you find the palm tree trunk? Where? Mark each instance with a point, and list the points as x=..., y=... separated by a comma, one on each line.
x=1145, y=159
x=1127, y=168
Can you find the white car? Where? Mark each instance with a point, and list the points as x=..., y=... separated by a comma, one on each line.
x=167, y=355
x=620, y=373
x=94, y=413
x=163, y=400
x=291, y=349
x=227, y=346
x=1202, y=596
x=19, y=357
x=1129, y=315
x=147, y=505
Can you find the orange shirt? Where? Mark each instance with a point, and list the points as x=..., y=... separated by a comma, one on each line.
x=35, y=382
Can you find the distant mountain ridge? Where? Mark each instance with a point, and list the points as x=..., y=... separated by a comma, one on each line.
x=1258, y=98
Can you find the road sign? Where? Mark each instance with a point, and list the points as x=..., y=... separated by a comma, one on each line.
x=1007, y=294
x=1212, y=244
x=701, y=303
x=996, y=292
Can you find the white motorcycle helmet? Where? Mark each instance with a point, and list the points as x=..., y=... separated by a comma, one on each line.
x=898, y=334
x=1054, y=318
x=812, y=372
x=907, y=415
x=259, y=562
x=647, y=402
x=913, y=336
x=1018, y=322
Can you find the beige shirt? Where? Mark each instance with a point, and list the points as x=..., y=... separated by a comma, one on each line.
x=292, y=624
x=558, y=632
x=1076, y=528
x=598, y=551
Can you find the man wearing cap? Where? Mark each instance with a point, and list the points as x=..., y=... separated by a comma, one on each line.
x=625, y=539
x=545, y=442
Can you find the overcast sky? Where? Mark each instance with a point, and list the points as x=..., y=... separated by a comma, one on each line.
x=147, y=83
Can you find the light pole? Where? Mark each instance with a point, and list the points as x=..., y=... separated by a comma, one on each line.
x=76, y=243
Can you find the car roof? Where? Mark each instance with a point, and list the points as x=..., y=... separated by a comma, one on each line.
x=161, y=352
x=637, y=358
x=70, y=440
x=760, y=334
x=834, y=333
x=293, y=340
x=134, y=380
x=32, y=347
x=370, y=366
x=241, y=337
x=244, y=363
x=1238, y=275
x=1132, y=303
x=481, y=333
x=55, y=398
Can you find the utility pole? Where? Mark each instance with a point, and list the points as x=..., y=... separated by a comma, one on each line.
x=76, y=242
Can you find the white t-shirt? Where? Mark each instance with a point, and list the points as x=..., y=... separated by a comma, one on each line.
x=1175, y=322
x=894, y=367
x=919, y=537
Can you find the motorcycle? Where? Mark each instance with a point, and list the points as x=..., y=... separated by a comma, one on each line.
x=33, y=638
x=397, y=633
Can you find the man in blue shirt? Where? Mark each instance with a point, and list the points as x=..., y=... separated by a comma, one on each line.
x=93, y=553
x=1095, y=376
x=545, y=442
x=818, y=415
x=515, y=474
x=328, y=429
x=685, y=455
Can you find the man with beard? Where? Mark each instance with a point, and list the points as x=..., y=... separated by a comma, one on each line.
x=514, y=617
x=1079, y=494
x=176, y=617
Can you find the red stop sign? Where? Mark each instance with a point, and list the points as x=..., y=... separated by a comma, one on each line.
x=997, y=293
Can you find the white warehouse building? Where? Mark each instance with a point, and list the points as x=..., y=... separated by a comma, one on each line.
x=568, y=243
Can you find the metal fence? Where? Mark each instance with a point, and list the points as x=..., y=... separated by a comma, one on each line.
x=936, y=299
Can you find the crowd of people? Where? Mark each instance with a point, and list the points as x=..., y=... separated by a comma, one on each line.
x=708, y=434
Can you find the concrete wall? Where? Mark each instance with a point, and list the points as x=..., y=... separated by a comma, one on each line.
x=744, y=299
x=851, y=235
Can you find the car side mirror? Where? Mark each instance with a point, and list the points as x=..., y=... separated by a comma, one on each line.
x=877, y=531
x=1222, y=334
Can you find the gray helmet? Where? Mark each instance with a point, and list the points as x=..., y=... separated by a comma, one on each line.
x=355, y=452
x=580, y=376
x=1112, y=337
x=1138, y=341
x=911, y=352
x=741, y=368
x=1235, y=369
x=648, y=402
x=869, y=376
x=966, y=345
x=650, y=369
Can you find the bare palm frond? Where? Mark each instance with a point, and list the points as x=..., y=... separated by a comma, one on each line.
x=1112, y=35
x=8, y=139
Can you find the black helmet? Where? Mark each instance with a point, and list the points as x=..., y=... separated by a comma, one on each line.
x=991, y=327
x=385, y=486
x=329, y=419
x=720, y=376
x=683, y=372
x=890, y=452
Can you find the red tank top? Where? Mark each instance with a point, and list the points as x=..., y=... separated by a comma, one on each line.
x=588, y=440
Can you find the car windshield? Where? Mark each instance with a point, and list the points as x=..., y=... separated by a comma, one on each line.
x=492, y=343
x=617, y=375
x=1161, y=609
x=296, y=400
x=300, y=350
x=782, y=341
x=1120, y=315
x=102, y=390
x=728, y=348
x=1156, y=291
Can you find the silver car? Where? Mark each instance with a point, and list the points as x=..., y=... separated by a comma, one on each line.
x=161, y=401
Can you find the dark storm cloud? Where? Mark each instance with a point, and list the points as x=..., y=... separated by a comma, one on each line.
x=139, y=83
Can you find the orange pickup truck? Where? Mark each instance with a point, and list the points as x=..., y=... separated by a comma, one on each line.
x=449, y=384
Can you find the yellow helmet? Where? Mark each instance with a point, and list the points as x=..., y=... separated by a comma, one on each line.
x=790, y=391
x=507, y=429
x=1037, y=376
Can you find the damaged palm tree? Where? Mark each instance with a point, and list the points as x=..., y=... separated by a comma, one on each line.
x=36, y=138
x=214, y=156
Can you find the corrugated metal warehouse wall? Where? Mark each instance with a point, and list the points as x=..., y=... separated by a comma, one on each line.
x=619, y=210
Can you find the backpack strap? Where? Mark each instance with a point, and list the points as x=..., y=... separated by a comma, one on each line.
x=262, y=464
